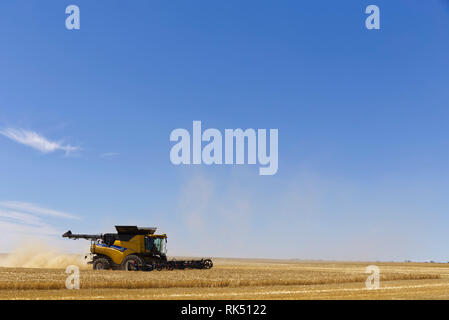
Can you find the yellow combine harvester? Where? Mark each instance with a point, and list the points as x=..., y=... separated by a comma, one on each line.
x=134, y=248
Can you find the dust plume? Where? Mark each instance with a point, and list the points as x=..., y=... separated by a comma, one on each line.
x=41, y=255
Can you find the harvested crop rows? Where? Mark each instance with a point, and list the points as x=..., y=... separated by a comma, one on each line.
x=233, y=279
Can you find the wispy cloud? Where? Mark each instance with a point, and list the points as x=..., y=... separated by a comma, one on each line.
x=37, y=141
x=26, y=229
x=109, y=154
x=35, y=209
x=21, y=217
x=26, y=218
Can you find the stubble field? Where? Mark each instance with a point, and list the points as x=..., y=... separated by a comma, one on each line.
x=235, y=279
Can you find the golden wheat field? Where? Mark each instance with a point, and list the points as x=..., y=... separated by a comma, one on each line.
x=234, y=279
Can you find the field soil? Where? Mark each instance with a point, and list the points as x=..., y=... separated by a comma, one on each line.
x=235, y=279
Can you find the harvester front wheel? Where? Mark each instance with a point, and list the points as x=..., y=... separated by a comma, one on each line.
x=208, y=264
x=101, y=264
x=132, y=263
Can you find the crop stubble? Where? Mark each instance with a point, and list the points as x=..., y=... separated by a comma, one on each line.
x=231, y=279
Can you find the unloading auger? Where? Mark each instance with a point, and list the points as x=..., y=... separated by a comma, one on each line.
x=134, y=248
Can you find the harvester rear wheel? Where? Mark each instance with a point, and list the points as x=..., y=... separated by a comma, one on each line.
x=101, y=264
x=132, y=263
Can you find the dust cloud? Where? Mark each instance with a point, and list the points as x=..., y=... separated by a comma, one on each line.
x=41, y=255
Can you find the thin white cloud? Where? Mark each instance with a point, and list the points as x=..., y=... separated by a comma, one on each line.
x=21, y=228
x=35, y=209
x=22, y=218
x=36, y=141
x=109, y=154
x=25, y=218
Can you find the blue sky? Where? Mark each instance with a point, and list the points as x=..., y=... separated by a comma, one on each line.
x=362, y=118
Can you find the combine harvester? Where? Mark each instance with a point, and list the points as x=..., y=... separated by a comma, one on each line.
x=133, y=248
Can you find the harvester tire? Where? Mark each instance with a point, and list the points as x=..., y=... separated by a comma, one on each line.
x=132, y=263
x=101, y=264
x=208, y=264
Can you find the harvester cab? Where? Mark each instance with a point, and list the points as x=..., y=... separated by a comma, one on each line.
x=133, y=248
